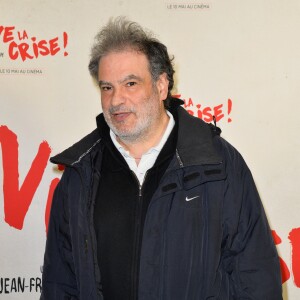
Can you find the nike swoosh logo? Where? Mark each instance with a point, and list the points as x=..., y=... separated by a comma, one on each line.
x=189, y=199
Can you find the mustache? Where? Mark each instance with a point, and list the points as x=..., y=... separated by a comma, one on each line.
x=121, y=109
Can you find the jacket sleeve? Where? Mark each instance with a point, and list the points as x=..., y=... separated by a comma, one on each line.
x=249, y=254
x=58, y=280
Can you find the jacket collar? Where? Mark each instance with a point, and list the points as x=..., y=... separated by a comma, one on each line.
x=194, y=143
x=76, y=152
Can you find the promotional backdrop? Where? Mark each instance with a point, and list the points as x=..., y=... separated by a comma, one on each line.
x=237, y=60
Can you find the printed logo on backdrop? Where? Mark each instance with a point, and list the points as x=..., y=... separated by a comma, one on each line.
x=11, y=285
x=208, y=113
x=20, y=45
x=187, y=6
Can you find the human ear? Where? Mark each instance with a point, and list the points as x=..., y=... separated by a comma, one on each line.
x=162, y=85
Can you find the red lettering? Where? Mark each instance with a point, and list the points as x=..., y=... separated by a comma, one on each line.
x=54, y=48
x=285, y=273
x=17, y=201
x=190, y=103
x=276, y=238
x=218, y=112
x=207, y=116
x=65, y=43
x=229, y=108
x=42, y=45
x=52, y=187
x=294, y=237
x=23, y=49
x=8, y=33
x=61, y=167
x=24, y=36
x=11, y=51
x=199, y=112
x=33, y=47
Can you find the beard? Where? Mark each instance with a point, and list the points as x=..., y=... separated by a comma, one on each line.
x=147, y=115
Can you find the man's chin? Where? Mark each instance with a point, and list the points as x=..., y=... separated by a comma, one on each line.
x=128, y=137
x=128, y=134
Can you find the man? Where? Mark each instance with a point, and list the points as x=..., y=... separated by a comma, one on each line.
x=153, y=204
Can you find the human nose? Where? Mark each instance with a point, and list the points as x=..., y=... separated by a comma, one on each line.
x=118, y=97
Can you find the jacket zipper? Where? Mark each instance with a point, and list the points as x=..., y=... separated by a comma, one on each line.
x=137, y=240
x=93, y=244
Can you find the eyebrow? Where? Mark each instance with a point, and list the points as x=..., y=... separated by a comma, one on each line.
x=126, y=78
x=129, y=77
x=101, y=82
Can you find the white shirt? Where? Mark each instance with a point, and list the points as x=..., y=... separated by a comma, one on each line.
x=148, y=159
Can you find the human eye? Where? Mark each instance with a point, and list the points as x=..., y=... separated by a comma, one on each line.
x=105, y=88
x=131, y=83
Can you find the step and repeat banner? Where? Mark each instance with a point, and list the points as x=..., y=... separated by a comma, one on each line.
x=237, y=60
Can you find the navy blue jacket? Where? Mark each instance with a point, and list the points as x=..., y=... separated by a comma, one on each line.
x=205, y=235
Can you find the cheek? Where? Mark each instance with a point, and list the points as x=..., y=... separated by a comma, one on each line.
x=104, y=102
x=141, y=99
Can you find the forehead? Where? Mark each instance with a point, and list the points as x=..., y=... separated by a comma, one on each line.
x=116, y=65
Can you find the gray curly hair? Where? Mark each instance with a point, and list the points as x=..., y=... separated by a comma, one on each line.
x=121, y=34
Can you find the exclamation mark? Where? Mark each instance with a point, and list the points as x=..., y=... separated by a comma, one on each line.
x=65, y=43
x=229, y=107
